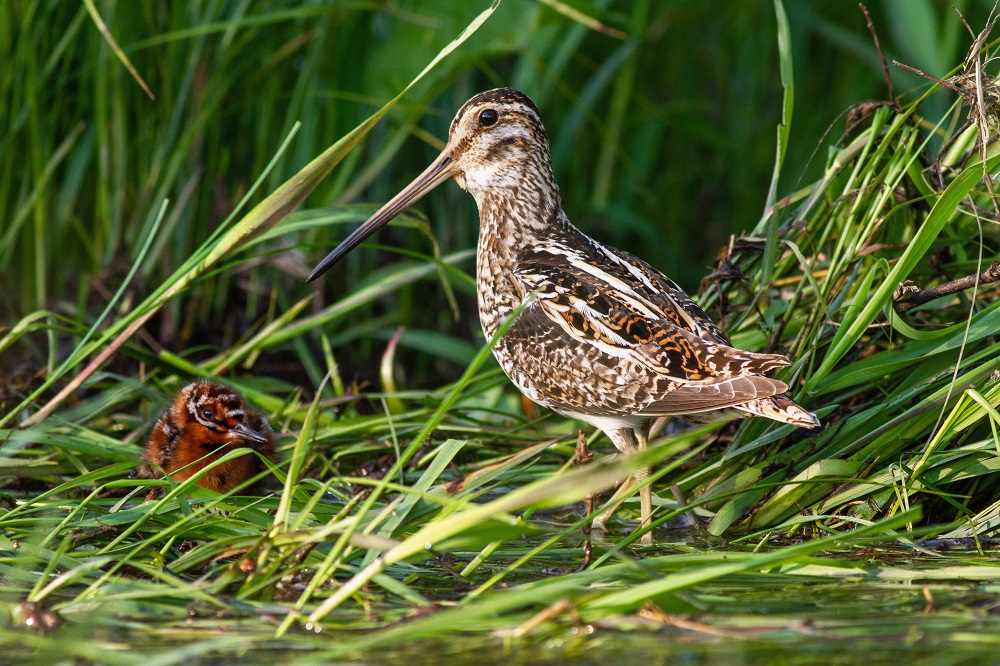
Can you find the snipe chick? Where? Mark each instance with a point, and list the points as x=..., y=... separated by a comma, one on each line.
x=601, y=336
x=208, y=419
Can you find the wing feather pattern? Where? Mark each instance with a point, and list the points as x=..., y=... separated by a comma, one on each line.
x=615, y=308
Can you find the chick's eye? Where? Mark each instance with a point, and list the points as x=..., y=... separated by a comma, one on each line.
x=208, y=414
x=488, y=118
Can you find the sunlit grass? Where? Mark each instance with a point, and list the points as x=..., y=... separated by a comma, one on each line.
x=445, y=518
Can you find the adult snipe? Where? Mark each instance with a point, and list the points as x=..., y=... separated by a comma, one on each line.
x=603, y=337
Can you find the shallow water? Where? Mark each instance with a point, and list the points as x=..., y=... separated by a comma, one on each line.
x=917, y=608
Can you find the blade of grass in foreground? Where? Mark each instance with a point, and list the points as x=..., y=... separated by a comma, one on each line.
x=784, y=128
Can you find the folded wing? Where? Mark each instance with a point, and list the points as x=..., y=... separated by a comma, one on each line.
x=640, y=318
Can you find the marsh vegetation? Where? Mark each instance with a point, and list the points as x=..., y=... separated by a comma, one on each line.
x=420, y=510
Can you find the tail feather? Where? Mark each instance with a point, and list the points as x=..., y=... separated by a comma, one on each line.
x=780, y=408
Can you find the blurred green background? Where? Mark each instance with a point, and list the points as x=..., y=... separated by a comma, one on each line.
x=662, y=116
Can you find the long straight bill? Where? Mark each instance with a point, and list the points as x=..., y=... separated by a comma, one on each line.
x=438, y=172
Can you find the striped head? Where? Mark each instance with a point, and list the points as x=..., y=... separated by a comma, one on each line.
x=213, y=412
x=495, y=141
x=496, y=144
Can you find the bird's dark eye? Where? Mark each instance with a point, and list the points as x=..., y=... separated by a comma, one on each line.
x=208, y=414
x=488, y=118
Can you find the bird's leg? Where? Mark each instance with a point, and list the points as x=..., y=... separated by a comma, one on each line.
x=628, y=440
x=582, y=457
x=646, y=491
